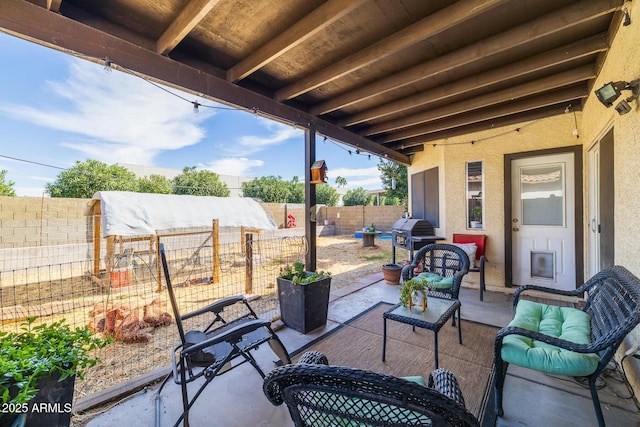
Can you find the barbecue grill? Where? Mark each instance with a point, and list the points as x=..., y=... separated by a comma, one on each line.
x=411, y=234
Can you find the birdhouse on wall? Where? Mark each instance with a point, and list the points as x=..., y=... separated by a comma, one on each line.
x=319, y=172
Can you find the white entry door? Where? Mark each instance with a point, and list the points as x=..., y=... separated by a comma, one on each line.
x=542, y=226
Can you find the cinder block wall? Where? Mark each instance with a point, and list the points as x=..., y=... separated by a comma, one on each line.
x=31, y=221
x=280, y=211
x=348, y=219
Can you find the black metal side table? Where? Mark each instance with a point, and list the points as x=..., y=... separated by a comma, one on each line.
x=438, y=312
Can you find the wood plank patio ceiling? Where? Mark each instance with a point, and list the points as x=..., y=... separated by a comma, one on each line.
x=383, y=76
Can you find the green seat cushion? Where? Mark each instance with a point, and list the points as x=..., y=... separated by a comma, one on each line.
x=416, y=379
x=566, y=323
x=435, y=281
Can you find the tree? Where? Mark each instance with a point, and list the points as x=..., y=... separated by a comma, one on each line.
x=200, y=183
x=84, y=179
x=269, y=189
x=6, y=187
x=273, y=189
x=394, y=181
x=326, y=195
x=357, y=197
x=296, y=191
x=341, y=181
x=155, y=184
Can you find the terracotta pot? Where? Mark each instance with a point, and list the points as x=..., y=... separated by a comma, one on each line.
x=392, y=273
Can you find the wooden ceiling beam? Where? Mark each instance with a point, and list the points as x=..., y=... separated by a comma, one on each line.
x=413, y=149
x=545, y=84
x=23, y=19
x=505, y=109
x=516, y=119
x=561, y=55
x=54, y=5
x=302, y=30
x=187, y=19
x=433, y=24
x=544, y=26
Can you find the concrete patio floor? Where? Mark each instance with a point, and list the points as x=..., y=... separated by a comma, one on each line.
x=236, y=398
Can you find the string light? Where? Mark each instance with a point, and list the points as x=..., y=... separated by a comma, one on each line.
x=472, y=142
x=107, y=65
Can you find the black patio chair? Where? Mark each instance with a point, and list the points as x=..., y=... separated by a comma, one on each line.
x=318, y=394
x=232, y=332
x=582, y=343
x=446, y=262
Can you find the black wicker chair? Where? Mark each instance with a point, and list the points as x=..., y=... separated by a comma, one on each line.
x=322, y=395
x=613, y=304
x=442, y=259
x=231, y=331
x=445, y=260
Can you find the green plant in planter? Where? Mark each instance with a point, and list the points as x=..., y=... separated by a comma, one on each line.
x=37, y=352
x=477, y=213
x=411, y=286
x=299, y=276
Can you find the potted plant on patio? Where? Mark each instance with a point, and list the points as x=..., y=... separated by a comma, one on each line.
x=303, y=297
x=391, y=273
x=39, y=365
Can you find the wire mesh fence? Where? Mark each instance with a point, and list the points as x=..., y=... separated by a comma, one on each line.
x=129, y=302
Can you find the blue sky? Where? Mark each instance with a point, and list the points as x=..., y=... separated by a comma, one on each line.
x=56, y=109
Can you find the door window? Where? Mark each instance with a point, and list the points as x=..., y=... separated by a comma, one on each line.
x=542, y=195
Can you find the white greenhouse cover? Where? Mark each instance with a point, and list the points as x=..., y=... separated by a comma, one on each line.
x=126, y=213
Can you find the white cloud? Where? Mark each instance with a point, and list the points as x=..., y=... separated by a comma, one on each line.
x=367, y=184
x=277, y=133
x=367, y=178
x=240, y=166
x=116, y=116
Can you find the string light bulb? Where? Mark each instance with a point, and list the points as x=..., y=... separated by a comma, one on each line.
x=196, y=104
x=107, y=65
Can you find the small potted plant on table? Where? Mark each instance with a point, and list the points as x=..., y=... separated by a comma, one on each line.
x=39, y=365
x=303, y=297
x=414, y=292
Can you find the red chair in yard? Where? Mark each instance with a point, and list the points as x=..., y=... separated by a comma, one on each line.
x=477, y=262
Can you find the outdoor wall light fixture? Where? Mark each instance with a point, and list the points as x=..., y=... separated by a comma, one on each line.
x=608, y=94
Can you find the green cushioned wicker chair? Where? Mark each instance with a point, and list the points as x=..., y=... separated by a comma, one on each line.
x=442, y=266
x=320, y=395
x=568, y=341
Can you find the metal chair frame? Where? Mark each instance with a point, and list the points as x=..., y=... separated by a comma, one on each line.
x=613, y=304
x=210, y=352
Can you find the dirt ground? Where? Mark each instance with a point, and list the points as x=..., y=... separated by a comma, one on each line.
x=348, y=261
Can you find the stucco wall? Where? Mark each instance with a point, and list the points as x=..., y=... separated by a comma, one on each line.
x=553, y=132
x=621, y=63
x=489, y=147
